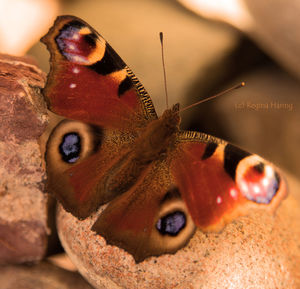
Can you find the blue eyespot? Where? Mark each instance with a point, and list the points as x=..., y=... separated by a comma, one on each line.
x=171, y=224
x=259, y=183
x=70, y=147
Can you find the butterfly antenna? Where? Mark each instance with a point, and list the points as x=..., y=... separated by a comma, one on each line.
x=161, y=37
x=214, y=96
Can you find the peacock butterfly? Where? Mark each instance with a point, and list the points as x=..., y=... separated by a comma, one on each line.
x=159, y=183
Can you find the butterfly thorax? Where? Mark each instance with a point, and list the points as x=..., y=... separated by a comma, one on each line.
x=151, y=145
x=158, y=136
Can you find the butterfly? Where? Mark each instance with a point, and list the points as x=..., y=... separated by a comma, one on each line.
x=159, y=184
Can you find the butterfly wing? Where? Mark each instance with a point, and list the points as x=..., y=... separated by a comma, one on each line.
x=89, y=82
x=78, y=158
x=219, y=181
x=106, y=107
x=204, y=182
x=150, y=219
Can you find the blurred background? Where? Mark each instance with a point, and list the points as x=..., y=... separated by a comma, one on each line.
x=210, y=45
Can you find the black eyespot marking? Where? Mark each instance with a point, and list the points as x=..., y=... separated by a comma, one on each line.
x=232, y=156
x=74, y=23
x=259, y=168
x=90, y=39
x=70, y=147
x=209, y=150
x=171, y=224
x=125, y=85
x=110, y=62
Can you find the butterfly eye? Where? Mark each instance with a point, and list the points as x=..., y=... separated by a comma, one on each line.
x=257, y=180
x=71, y=142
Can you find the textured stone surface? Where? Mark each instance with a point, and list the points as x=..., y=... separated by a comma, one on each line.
x=256, y=251
x=41, y=276
x=23, y=214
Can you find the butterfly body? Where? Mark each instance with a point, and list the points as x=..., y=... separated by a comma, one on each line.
x=159, y=183
x=152, y=145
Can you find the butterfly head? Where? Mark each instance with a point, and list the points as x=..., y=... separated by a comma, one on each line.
x=171, y=118
x=158, y=136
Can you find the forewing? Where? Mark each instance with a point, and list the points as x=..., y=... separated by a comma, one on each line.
x=220, y=182
x=89, y=82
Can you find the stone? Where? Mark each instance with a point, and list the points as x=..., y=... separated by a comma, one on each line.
x=41, y=276
x=260, y=250
x=23, y=204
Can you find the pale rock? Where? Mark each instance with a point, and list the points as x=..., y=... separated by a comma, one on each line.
x=260, y=250
x=41, y=276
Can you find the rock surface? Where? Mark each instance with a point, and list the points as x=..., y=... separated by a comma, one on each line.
x=23, y=204
x=256, y=251
x=41, y=276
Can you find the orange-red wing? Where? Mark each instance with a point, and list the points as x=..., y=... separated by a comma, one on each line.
x=129, y=220
x=219, y=182
x=89, y=82
x=149, y=219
